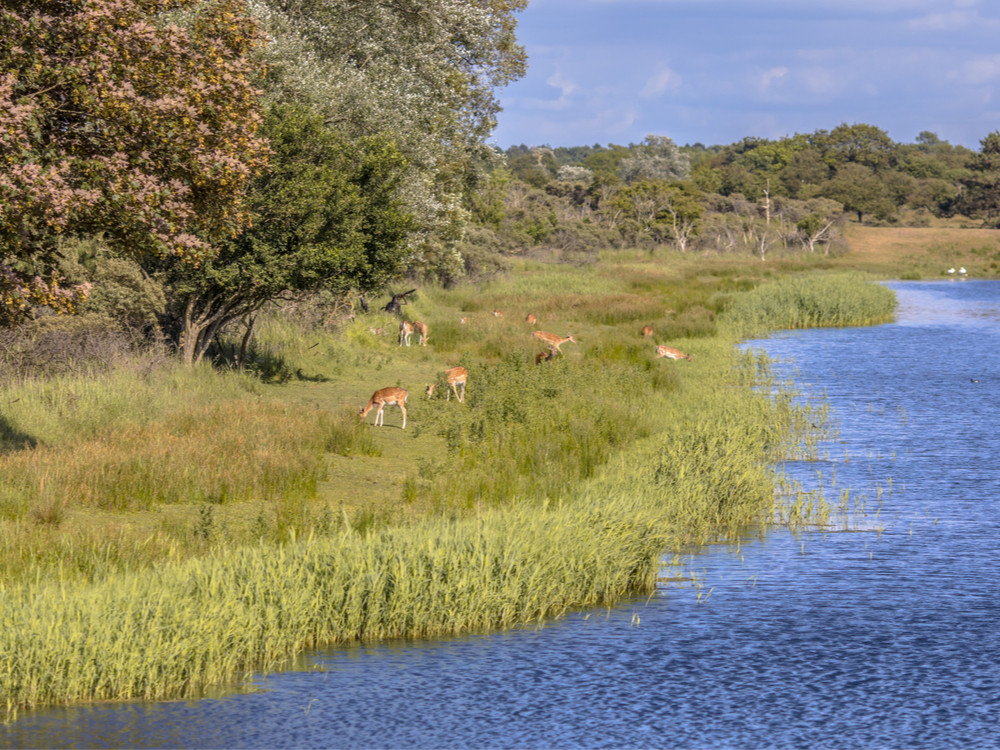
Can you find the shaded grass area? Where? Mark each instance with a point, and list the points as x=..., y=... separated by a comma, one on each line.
x=554, y=486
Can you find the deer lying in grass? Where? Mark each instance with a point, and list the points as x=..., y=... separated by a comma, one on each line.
x=668, y=351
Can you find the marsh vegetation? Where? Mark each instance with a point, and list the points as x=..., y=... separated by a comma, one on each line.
x=166, y=529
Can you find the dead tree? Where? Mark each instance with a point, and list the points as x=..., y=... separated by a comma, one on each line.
x=395, y=305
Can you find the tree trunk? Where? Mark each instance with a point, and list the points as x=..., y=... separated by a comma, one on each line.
x=241, y=360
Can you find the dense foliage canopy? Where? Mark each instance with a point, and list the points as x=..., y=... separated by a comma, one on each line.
x=134, y=120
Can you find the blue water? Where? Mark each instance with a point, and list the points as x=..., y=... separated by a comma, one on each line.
x=883, y=638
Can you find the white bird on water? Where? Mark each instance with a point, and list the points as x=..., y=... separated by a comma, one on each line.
x=962, y=270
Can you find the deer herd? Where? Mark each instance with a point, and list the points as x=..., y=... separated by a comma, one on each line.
x=455, y=378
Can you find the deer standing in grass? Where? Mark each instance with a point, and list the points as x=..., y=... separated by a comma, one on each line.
x=497, y=314
x=647, y=331
x=405, y=331
x=531, y=319
x=385, y=397
x=455, y=378
x=421, y=328
x=669, y=351
x=552, y=340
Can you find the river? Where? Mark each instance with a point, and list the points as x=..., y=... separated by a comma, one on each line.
x=885, y=636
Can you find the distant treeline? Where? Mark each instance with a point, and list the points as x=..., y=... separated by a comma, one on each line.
x=757, y=195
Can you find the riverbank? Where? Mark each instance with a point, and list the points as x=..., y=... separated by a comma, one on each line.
x=576, y=442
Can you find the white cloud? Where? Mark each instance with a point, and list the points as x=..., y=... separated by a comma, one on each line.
x=980, y=70
x=565, y=85
x=768, y=78
x=662, y=80
x=955, y=20
x=820, y=81
x=567, y=88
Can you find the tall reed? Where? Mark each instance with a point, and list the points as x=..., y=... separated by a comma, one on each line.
x=838, y=299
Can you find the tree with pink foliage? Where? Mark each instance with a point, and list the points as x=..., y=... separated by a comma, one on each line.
x=134, y=120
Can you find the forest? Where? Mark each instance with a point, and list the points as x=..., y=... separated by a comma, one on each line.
x=178, y=171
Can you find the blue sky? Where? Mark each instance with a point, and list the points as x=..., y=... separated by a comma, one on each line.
x=716, y=71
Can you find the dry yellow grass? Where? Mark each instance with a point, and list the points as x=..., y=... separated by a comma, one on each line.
x=926, y=252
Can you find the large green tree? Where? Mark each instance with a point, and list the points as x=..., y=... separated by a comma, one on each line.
x=326, y=215
x=980, y=197
x=861, y=192
x=424, y=71
x=134, y=120
x=860, y=143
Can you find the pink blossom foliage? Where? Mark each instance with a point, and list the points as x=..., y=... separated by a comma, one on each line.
x=116, y=122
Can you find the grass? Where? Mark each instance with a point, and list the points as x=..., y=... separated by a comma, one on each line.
x=168, y=531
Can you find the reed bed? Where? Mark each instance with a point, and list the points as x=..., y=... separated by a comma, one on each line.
x=837, y=299
x=203, y=623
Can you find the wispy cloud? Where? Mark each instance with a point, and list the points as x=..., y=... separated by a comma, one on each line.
x=662, y=80
x=766, y=81
x=955, y=20
x=980, y=70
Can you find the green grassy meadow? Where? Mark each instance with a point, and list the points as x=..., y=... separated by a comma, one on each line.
x=164, y=530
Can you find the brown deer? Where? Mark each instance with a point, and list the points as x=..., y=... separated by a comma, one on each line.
x=552, y=340
x=647, y=331
x=531, y=319
x=669, y=351
x=405, y=331
x=455, y=378
x=421, y=328
x=383, y=397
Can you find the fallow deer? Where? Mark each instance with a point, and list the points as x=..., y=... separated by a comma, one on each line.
x=385, y=397
x=455, y=378
x=668, y=351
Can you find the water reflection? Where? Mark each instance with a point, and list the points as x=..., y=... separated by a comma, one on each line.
x=818, y=640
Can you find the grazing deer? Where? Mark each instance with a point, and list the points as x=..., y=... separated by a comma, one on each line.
x=464, y=320
x=552, y=340
x=545, y=356
x=497, y=314
x=667, y=351
x=647, y=331
x=405, y=331
x=421, y=328
x=383, y=397
x=531, y=319
x=455, y=378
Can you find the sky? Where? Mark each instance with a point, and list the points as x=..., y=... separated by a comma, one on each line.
x=717, y=71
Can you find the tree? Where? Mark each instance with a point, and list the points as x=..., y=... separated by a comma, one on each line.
x=980, y=197
x=423, y=71
x=325, y=216
x=860, y=191
x=131, y=119
x=656, y=158
x=661, y=210
x=859, y=144
x=819, y=225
